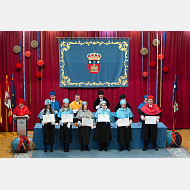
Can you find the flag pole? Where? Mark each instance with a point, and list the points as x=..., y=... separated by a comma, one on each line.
x=13, y=127
x=173, y=125
x=161, y=75
x=6, y=123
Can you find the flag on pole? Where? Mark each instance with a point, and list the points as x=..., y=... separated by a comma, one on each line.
x=174, y=99
x=1, y=117
x=13, y=97
x=7, y=101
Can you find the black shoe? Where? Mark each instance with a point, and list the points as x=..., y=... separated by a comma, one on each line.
x=145, y=148
x=106, y=149
x=64, y=150
x=67, y=147
x=121, y=148
x=51, y=148
x=100, y=149
x=81, y=149
x=87, y=148
x=45, y=149
x=155, y=148
x=128, y=148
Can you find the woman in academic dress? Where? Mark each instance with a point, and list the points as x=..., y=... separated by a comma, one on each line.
x=103, y=129
x=124, y=134
x=48, y=128
x=65, y=127
x=84, y=131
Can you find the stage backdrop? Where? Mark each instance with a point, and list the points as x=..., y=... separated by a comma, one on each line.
x=94, y=63
x=176, y=57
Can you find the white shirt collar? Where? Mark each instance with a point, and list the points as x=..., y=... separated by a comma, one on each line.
x=52, y=100
x=150, y=105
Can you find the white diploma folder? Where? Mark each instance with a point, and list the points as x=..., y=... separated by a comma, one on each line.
x=103, y=118
x=87, y=121
x=150, y=120
x=49, y=118
x=123, y=122
x=67, y=117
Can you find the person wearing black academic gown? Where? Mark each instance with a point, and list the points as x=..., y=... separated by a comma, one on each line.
x=65, y=127
x=96, y=104
x=122, y=97
x=83, y=130
x=124, y=133
x=103, y=129
x=48, y=128
x=147, y=130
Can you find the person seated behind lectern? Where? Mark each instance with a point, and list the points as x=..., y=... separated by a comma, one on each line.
x=21, y=110
x=96, y=104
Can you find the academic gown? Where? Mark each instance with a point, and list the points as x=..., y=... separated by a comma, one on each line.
x=149, y=129
x=56, y=107
x=119, y=106
x=21, y=111
x=97, y=102
x=48, y=129
x=124, y=135
x=75, y=106
x=65, y=132
x=139, y=107
x=84, y=131
x=103, y=129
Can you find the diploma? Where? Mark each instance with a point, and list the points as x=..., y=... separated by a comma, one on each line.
x=49, y=118
x=103, y=118
x=67, y=117
x=150, y=120
x=123, y=122
x=87, y=121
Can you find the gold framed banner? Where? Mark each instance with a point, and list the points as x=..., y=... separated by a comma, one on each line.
x=94, y=62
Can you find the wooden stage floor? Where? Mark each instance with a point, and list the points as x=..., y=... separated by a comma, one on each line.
x=7, y=152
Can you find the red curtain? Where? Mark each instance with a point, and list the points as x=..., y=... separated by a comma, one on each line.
x=175, y=57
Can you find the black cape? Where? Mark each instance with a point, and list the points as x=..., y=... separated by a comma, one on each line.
x=119, y=106
x=148, y=129
x=124, y=135
x=65, y=134
x=103, y=132
x=97, y=102
x=48, y=134
x=83, y=134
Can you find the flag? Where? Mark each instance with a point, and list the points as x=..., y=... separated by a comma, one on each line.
x=7, y=101
x=174, y=99
x=1, y=117
x=13, y=97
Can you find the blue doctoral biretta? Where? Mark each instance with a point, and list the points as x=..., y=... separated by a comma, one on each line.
x=47, y=102
x=65, y=100
x=103, y=102
x=53, y=93
x=84, y=102
x=123, y=102
x=145, y=96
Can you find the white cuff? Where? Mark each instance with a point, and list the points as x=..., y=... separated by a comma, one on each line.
x=79, y=123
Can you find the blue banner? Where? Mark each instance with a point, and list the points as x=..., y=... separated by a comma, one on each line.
x=93, y=63
x=13, y=97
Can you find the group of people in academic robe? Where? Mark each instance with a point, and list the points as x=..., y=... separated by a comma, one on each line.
x=103, y=135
